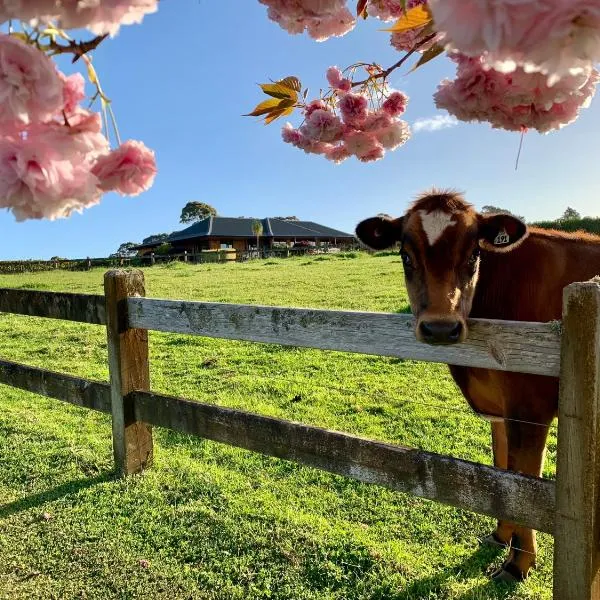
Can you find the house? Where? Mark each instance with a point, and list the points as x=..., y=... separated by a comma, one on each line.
x=215, y=233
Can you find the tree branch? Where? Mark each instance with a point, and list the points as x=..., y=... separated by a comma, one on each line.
x=386, y=72
x=76, y=48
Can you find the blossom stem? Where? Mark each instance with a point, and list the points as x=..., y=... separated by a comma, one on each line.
x=386, y=72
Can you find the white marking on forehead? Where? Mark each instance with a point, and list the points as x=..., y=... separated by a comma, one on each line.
x=435, y=223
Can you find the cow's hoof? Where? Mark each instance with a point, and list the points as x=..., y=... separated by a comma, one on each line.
x=508, y=573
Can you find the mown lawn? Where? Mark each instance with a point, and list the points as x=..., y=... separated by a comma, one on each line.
x=215, y=522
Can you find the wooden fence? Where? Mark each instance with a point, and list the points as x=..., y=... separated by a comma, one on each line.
x=8, y=267
x=568, y=508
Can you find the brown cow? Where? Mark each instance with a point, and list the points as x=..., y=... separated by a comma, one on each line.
x=458, y=263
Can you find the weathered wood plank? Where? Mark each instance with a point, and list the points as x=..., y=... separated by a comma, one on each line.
x=129, y=370
x=82, y=392
x=577, y=531
x=504, y=345
x=85, y=308
x=487, y=490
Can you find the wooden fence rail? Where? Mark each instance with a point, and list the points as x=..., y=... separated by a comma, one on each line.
x=569, y=508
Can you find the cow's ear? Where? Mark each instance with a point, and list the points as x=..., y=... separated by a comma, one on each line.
x=379, y=233
x=501, y=232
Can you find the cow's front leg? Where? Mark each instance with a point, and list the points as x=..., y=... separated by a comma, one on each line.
x=526, y=450
x=503, y=533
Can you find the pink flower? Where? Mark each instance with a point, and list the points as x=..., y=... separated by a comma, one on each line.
x=397, y=134
x=555, y=37
x=98, y=16
x=323, y=126
x=38, y=180
x=353, y=108
x=291, y=135
x=320, y=18
x=337, y=154
x=128, y=170
x=405, y=41
x=73, y=91
x=373, y=155
x=395, y=104
x=30, y=87
x=104, y=17
x=334, y=76
x=516, y=100
x=377, y=120
x=386, y=10
x=361, y=143
x=314, y=105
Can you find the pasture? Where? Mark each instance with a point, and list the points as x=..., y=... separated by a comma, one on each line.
x=212, y=521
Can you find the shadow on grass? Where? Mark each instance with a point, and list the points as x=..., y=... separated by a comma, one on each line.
x=60, y=491
x=472, y=566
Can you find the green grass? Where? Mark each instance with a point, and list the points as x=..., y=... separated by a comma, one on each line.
x=215, y=522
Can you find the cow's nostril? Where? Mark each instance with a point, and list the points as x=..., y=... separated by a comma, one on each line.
x=455, y=332
x=440, y=332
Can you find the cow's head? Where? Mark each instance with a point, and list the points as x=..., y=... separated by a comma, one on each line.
x=441, y=237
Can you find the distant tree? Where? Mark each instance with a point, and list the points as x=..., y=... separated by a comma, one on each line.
x=569, y=215
x=163, y=249
x=257, y=230
x=292, y=218
x=125, y=250
x=196, y=211
x=156, y=237
x=489, y=209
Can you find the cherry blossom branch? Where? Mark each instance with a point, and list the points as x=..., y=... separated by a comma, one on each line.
x=76, y=48
x=386, y=72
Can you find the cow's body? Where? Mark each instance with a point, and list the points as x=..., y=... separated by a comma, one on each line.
x=454, y=271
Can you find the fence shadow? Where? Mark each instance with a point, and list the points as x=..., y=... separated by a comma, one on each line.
x=60, y=491
x=477, y=563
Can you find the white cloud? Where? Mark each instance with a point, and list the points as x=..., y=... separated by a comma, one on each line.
x=434, y=123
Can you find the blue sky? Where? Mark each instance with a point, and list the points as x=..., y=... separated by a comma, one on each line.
x=182, y=80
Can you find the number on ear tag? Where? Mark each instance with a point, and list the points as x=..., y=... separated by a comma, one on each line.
x=501, y=238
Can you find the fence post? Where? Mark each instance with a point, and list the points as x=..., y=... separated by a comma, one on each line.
x=577, y=525
x=129, y=371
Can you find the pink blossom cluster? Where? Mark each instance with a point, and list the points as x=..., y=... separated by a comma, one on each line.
x=554, y=37
x=54, y=158
x=355, y=131
x=100, y=16
x=514, y=101
x=322, y=19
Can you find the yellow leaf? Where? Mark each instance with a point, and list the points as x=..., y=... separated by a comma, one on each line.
x=291, y=82
x=272, y=105
x=279, y=91
x=280, y=112
x=264, y=107
x=412, y=19
x=428, y=55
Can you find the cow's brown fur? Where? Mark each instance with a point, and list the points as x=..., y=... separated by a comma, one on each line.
x=523, y=282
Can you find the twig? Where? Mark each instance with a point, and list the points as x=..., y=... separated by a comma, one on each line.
x=387, y=71
x=76, y=48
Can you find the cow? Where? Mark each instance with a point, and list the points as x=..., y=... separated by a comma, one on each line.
x=459, y=263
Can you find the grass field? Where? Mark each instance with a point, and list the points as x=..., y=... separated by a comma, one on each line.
x=215, y=522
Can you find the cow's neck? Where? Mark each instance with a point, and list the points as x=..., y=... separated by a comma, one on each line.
x=526, y=284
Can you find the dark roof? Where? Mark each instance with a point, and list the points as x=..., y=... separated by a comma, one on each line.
x=231, y=227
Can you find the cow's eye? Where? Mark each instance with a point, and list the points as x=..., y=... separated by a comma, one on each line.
x=406, y=260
